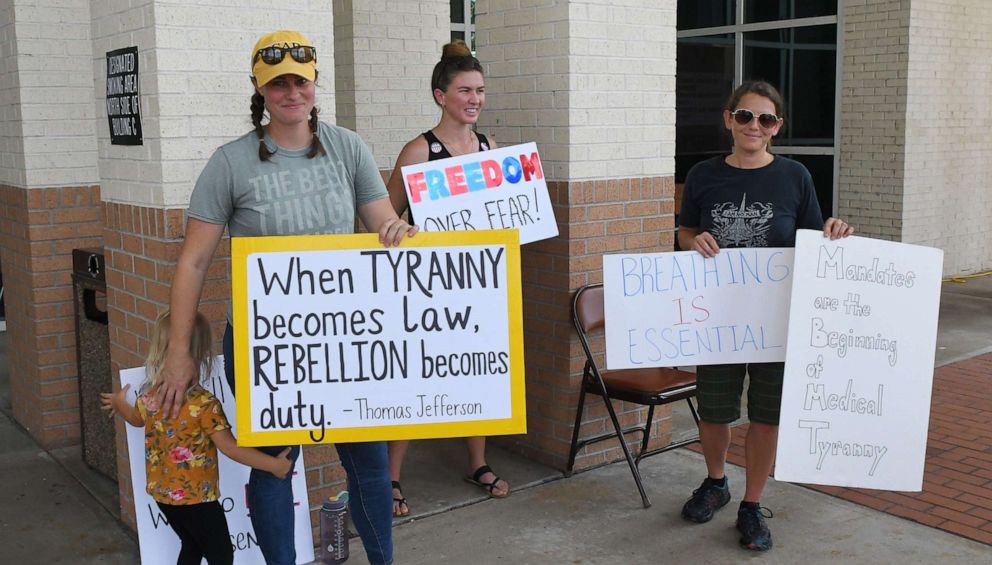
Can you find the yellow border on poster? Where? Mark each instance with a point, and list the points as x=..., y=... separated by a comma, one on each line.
x=243, y=247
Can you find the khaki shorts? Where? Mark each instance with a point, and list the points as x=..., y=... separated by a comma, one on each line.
x=719, y=389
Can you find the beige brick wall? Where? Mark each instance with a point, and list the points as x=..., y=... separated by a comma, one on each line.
x=524, y=49
x=385, y=51
x=12, y=171
x=53, y=102
x=593, y=84
x=622, y=85
x=948, y=166
x=873, y=116
x=915, y=166
x=194, y=67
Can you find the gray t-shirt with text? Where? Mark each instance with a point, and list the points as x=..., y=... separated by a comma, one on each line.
x=289, y=194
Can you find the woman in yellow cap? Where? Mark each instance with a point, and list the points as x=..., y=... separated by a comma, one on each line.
x=292, y=175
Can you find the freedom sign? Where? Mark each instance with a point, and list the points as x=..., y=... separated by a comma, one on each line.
x=340, y=339
x=859, y=363
x=157, y=543
x=498, y=189
x=680, y=308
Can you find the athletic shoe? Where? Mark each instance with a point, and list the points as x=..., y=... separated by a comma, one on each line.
x=751, y=524
x=706, y=500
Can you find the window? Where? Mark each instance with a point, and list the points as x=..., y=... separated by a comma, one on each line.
x=463, y=22
x=789, y=43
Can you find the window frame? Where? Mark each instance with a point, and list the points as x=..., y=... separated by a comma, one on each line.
x=739, y=28
x=466, y=28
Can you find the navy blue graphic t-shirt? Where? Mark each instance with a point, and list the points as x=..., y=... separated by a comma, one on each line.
x=750, y=207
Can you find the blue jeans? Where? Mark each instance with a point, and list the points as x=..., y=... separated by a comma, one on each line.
x=271, y=500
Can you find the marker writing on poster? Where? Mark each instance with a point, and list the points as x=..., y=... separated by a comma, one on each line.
x=685, y=333
x=473, y=176
x=825, y=448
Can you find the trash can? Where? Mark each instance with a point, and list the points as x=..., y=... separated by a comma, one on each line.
x=89, y=287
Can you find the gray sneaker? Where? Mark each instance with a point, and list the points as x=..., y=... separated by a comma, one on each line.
x=706, y=500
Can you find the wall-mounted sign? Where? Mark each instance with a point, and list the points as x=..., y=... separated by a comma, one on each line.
x=123, y=100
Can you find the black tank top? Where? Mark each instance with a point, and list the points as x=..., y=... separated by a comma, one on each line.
x=436, y=150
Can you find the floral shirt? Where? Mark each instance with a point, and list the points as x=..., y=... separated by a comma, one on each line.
x=180, y=459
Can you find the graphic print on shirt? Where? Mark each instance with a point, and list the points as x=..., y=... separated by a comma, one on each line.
x=743, y=226
x=295, y=201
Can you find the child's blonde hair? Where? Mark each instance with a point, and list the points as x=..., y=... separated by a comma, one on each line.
x=200, y=348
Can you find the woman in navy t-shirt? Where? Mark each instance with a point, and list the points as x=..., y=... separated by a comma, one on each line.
x=750, y=198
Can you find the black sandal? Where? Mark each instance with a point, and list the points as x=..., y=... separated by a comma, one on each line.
x=400, y=502
x=490, y=486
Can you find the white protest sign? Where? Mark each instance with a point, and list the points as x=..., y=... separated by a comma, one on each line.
x=859, y=365
x=680, y=308
x=345, y=340
x=158, y=544
x=498, y=189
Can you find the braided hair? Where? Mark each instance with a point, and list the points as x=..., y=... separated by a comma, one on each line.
x=258, y=112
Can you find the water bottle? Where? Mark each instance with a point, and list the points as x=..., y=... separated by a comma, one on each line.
x=334, y=529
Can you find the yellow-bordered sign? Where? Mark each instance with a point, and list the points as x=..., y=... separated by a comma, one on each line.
x=339, y=339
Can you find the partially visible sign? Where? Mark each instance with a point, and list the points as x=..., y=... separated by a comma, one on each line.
x=498, y=189
x=671, y=309
x=859, y=363
x=123, y=100
x=158, y=544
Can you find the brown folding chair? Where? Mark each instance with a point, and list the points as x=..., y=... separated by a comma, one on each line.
x=650, y=387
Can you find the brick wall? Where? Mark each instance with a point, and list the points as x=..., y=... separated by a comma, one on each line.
x=56, y=97
x=194, y=66
x=41, y=227
x=524, y=51
x=579, y=79
x=947, y=202
x=384, y=52
x=50, y=204
x=12, y=172
x=914, y=167
x=873, y=116
x=621, y=110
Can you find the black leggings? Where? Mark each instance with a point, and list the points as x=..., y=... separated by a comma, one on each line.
x=203, y=531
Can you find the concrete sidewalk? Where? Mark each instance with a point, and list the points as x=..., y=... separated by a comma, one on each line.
x=46, y=516
x=597, y=517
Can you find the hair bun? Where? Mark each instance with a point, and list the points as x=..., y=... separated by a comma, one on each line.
x=456, y=48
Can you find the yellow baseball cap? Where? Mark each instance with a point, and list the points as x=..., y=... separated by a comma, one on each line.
x=264, y=72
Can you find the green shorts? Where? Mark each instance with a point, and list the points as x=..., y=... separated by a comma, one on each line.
x=719, y=389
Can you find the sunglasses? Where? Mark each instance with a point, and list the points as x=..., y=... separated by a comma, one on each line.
x=744, y=116
x=273, y=55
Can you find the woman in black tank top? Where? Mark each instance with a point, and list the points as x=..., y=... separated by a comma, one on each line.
x=458, y=88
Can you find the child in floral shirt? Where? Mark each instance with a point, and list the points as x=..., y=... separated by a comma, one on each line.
x=181, y=452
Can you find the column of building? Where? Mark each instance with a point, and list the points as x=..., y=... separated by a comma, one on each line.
x=913, y=163
x=193, y=68
x=49, y=204
x=594, y=85
x=384, y=53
